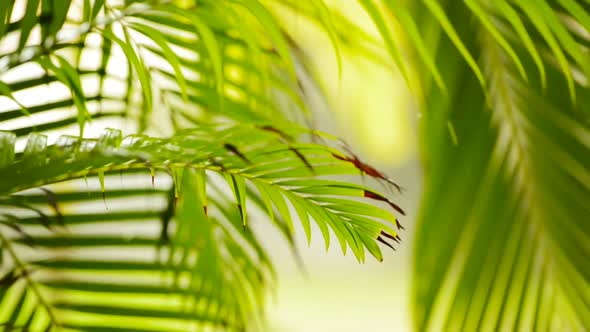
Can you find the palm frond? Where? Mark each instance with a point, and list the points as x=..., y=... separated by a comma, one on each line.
x=501, y=242
x=200, y=58
x=81, y=251
x=193, y=242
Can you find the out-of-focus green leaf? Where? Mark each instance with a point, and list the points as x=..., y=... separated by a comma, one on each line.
x=5, y=90
x=59, y=11
x=441, y=17
x=5, y=13
x=69, y=76
x=96, y=7
x=168, y=53
x=137, y=64
x=28, y=22
x=269, y=23
x=376, y=16
x=500, y=244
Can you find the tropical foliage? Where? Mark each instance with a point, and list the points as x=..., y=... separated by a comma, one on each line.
x=152, y=231
x=502, y=239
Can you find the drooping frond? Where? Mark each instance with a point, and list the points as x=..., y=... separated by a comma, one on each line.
x=193, y=241
x=542, y=32
x=501, y=243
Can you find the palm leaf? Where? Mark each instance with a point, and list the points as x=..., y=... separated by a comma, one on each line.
x=169, y=53
x=501, y=241
x=64, y=263
x=83, y=252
